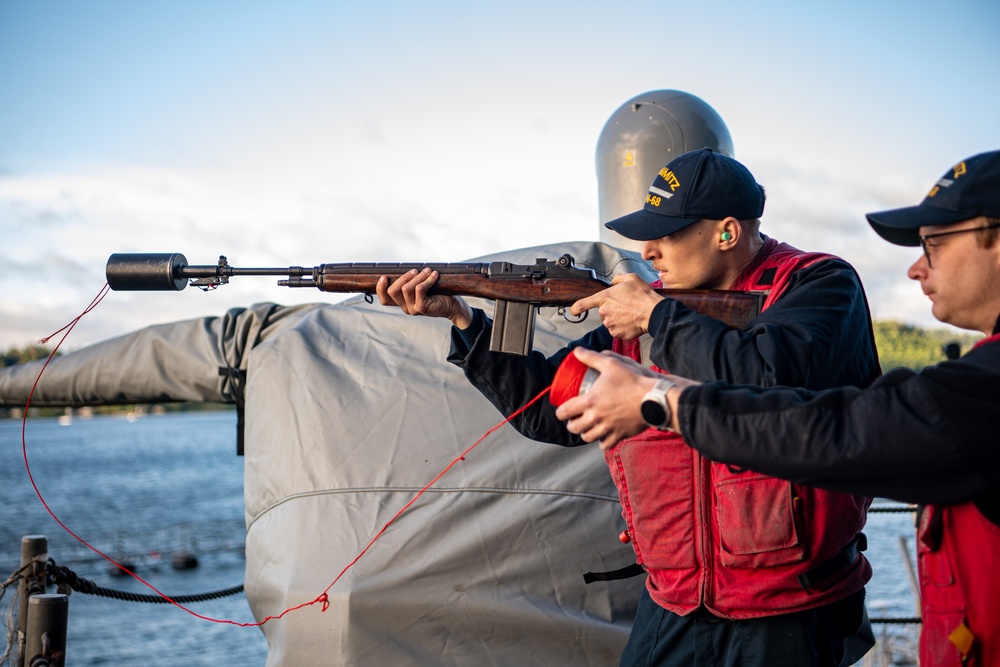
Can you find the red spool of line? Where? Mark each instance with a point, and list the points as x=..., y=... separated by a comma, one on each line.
x=573, y=377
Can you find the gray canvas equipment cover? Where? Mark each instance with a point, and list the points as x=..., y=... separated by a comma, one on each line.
x=351, y=408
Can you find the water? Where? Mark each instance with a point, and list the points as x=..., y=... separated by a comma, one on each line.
x=136, y=489
x=167, y=482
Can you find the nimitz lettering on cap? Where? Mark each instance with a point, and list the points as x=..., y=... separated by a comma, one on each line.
x=670, y=178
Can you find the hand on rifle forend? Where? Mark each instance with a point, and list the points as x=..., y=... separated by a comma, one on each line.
x=411, y=294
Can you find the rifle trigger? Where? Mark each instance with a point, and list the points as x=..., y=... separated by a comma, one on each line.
x=369, y=298
x=566, y=315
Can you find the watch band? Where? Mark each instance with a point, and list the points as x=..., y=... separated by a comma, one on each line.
x=655, y=408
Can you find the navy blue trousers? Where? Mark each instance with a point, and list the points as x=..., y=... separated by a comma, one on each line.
x=813, y=638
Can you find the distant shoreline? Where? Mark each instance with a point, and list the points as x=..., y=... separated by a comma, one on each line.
x=134, y=410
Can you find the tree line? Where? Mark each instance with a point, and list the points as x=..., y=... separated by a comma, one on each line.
x=21, y=355
x=906, y=346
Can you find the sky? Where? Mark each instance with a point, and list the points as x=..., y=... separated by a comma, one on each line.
x=298, y=133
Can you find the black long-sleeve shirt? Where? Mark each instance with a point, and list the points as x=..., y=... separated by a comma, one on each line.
x=927, y=437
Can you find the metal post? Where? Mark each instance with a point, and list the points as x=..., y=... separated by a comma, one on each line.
x=34, y=552
x=46, y=642
x=914, y=582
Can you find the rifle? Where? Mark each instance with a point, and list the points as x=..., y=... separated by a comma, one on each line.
x=516, y=289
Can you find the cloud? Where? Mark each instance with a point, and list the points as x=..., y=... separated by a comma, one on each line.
x=60, y=230
x=815, y=207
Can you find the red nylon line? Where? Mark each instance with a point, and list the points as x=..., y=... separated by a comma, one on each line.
x=24, y=420
x=24, y=451
x=322, y=598
x=460, y=457
x=567, y=380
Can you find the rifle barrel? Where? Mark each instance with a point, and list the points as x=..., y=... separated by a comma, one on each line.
x=170, y=271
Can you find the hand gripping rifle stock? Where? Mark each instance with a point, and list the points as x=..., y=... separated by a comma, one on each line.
x=517, y=289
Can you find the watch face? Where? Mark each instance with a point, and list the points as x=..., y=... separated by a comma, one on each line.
x=653, y=413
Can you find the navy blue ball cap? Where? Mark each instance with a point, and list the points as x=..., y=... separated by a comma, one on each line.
x=968, y=190
x=693, y=186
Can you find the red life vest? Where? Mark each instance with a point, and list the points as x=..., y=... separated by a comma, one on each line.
x=737, y=543
x=958, y=555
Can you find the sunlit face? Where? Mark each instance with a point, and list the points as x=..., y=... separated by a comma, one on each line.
x=961, y=278
x=689, y=258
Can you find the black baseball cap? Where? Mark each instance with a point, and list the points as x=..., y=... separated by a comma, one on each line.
x=968, y=190
x=693, y=186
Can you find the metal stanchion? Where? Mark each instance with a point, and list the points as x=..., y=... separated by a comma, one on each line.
x=911, y=571
x=45, y=645
x=34, y=556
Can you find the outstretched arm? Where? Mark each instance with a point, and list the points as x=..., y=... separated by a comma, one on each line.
x=923, y=438
x=926, y=437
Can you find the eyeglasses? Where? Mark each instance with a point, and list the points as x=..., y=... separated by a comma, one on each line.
x=927, y=246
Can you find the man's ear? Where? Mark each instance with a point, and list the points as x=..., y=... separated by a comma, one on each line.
x=730, y=231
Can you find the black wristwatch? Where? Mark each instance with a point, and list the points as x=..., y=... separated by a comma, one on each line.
x=655, y=409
